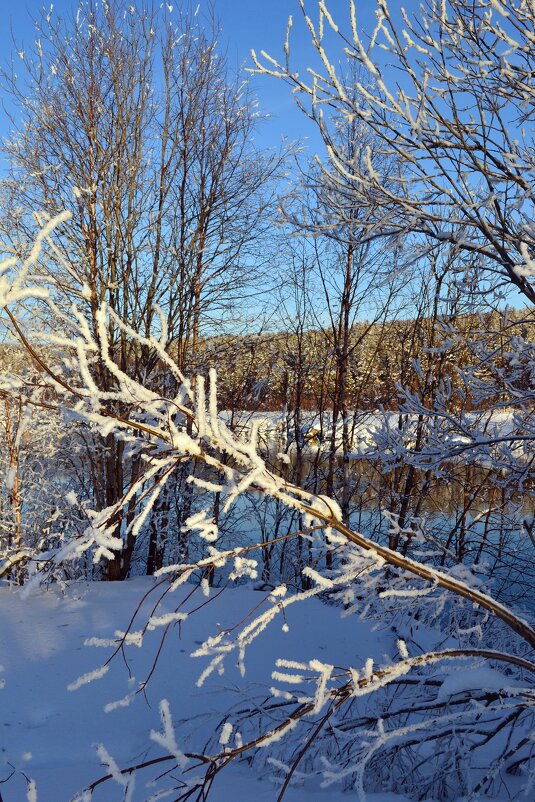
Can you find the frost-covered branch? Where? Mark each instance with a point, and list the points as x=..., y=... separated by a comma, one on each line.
x=447, y=90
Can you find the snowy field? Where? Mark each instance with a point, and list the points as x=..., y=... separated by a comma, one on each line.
x=51, y=734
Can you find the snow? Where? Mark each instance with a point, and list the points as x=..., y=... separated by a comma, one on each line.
x=61, y=740
x=56, y=736
x=482, y=678
x=365, y=428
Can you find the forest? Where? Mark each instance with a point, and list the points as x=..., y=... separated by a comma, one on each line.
x=267, y=413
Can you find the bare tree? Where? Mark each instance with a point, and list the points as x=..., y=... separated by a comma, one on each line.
x=166, y=431
x=350, y=273
x=449, y=92
x=130, y=118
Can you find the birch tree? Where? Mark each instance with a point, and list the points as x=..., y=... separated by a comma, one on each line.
x=322, y=712
x=448, y=90
x=128, y=116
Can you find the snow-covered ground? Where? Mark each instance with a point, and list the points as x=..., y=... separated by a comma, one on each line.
x=51, y=733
